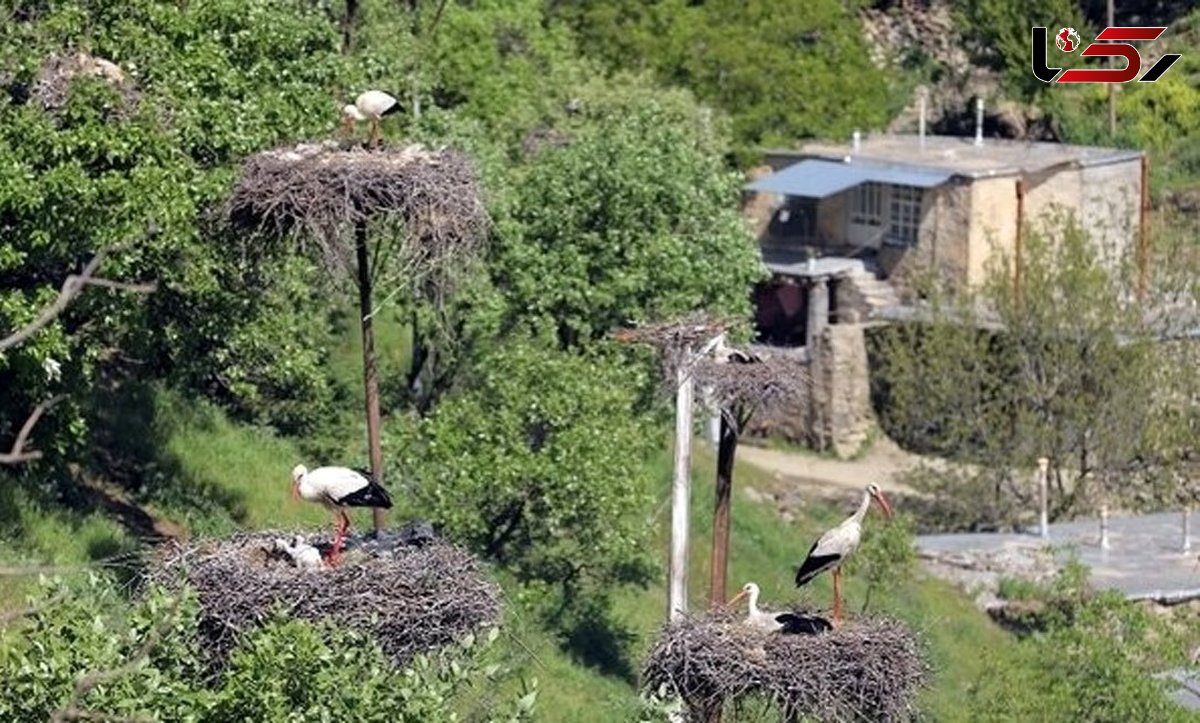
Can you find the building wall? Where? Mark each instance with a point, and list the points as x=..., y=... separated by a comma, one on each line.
x=942, y=244
x=1111, y=206
x=993, y=223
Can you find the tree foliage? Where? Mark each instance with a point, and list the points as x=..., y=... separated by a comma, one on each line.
x=780, y=69
x=286, y=670
x=634, y=217
x=539, y=464
x=1095, y=660
x=1072, y=373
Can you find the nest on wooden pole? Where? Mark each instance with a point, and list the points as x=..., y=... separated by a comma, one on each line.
x=770, y=382
x=865, y=670
x=424, y=207
x=409, y=597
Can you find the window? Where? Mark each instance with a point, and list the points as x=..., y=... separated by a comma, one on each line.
x=905, y=215
x=866, y=206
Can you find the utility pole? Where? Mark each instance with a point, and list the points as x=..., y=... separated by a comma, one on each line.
x=681, y=491
x=1112, y=87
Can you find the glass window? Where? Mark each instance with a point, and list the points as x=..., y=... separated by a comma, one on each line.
x=905, y=215
x=866, y=206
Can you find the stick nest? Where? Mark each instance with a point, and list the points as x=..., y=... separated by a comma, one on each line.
x=51, y=89
x=773, y=381
x=320, y=191
x=866, y=670
x=410, y=598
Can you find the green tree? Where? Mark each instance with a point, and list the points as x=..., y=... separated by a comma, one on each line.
x=1066, y=368
x=634, y=217
x=778, y=68
x=540, y=464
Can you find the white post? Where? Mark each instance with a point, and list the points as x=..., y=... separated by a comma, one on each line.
x=1187, y=529
x=924, y=96
x=1104, y=527
x=1044, y=519
x=979, y=121
x=714, y=429
x=681, y=488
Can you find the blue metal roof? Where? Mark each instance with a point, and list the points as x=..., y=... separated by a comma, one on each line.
x=814, y=178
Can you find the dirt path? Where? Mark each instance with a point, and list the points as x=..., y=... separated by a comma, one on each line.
x=881, y=464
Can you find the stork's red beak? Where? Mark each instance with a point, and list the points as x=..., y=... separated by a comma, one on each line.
x=883, y=505
x=735, y=598
x=295, y=491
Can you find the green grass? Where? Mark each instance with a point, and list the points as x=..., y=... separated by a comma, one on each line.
x=230, y=476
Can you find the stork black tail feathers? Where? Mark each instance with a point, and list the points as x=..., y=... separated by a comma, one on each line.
x=396, y=107
x=797, y=624
x=373, y=495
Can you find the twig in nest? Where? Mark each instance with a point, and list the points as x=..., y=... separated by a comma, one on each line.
x=424, y=208
x=867, y=670
x=86, y=682
x=410, y=599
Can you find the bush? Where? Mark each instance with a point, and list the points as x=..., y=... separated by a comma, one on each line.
x=540, y=464
x=286, y=670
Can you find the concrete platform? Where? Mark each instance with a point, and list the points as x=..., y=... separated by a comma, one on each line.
x=1145, y=559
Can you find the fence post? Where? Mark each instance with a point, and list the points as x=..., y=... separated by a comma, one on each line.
x=1104, y=527
x=1043, y=497
x=1187, y=528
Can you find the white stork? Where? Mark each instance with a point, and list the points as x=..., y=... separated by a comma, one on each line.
x=370, y=106
x=787, y=623
x=723, y=354
x=833, y=548
x=338, y=488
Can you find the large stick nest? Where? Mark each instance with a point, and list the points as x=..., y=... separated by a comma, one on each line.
x=771, y=380
x=51, y=89
x=410, y=597
x=865, y=670
x=429, y=203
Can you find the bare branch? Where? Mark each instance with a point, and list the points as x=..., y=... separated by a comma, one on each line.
x=71, y=288
x=86, y=682
x=18, y=453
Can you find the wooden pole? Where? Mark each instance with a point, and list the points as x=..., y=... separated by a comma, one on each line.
x=1143, y=243
x=1043, y=483
x=1019, y=248
x=1104, y=526
x=1187, y=529
x=720, y=540
x=1112, y=87
x=681, y=490
x=370, y=372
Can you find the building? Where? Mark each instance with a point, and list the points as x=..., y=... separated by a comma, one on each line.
x=901, y=202
x=843, y=227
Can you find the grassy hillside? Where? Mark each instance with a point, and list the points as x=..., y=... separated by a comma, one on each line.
x=246, y=470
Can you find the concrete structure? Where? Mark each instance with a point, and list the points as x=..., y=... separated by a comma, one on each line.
x=902, y=202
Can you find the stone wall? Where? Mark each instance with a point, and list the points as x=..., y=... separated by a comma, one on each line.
x=838, y=415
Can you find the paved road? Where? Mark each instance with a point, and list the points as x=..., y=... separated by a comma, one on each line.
x=1145, y=559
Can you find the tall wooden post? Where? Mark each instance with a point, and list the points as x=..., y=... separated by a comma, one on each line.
x=720, y=539
x=681, y=491
x=1043, y=483
x=1019, y=246
x=370, y=372
x=1112, y=87
x=1143, y=242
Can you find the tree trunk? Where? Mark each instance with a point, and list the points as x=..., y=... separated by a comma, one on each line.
x=349, y=21
x=370, y=372
x=720, y=548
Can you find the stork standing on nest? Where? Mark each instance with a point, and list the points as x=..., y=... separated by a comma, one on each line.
x=338, y=488
x=786, y=623
x=833, y=548
x=370, y=106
